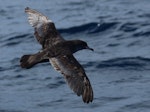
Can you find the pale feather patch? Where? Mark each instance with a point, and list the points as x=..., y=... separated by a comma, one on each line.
x=53, y=63
x=36, y=18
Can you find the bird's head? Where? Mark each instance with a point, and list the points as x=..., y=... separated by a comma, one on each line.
x=79, y=45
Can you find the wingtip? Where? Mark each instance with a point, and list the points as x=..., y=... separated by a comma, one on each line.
x=35, y=16
x=27, y=8
x=87, y=99
x=87, y=95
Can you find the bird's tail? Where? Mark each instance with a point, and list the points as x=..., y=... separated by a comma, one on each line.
x=27, y=61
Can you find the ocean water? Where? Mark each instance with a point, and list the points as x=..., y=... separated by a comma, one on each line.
x=119, y=68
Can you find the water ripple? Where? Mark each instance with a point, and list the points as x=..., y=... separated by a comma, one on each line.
x=137, y=63
x=89, y=28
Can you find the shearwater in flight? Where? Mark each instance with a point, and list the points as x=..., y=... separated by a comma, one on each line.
x=60, y=54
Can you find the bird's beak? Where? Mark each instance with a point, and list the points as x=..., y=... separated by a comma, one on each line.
x=89, y=48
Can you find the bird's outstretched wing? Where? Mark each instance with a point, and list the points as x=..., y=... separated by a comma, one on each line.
x=45, y=30
x=75, y=76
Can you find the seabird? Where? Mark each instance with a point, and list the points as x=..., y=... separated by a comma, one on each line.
x=60, y=54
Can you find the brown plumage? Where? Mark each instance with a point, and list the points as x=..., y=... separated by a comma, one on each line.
x=60, y=54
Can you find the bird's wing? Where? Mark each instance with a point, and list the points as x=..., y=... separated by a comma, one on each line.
x=45, y=30
x=74, y=75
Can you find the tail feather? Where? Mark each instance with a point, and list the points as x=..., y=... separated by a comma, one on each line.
x=27, y=61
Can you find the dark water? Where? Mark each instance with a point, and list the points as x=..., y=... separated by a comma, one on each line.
x=119, y=69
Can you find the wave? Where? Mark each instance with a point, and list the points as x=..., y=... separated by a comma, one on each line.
x=137, y=63
x=135, y=28
x=13, y=39
x=89, y=28
x=129, y=27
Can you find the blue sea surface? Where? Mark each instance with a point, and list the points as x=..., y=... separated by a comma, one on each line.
x=118, y=69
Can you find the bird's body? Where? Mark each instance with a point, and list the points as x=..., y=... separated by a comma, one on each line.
x=60, y=54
